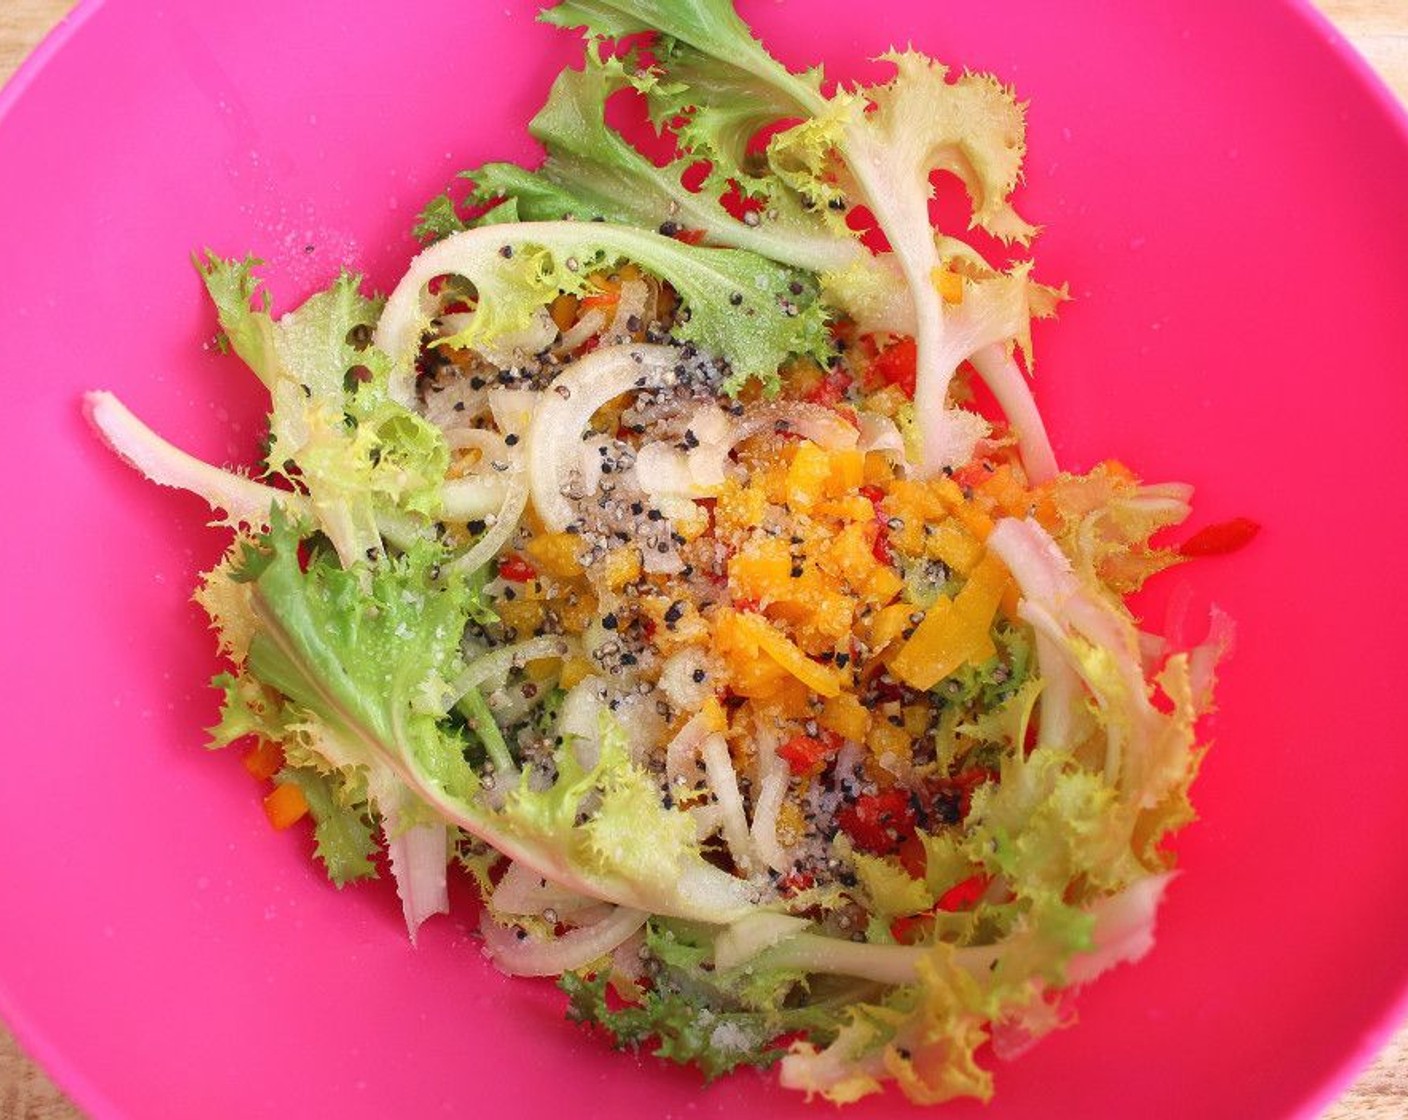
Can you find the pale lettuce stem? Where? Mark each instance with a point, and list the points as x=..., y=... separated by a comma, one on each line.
x=481, y=721
x=1000, y=372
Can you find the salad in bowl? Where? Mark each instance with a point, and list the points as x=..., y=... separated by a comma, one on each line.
x=678, y=551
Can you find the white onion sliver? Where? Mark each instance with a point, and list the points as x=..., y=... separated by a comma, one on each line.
x=483, y=490
x=678, y=679
x=707, y=821
x=630, y=305
x=532, y=956
x=522, y=890
x=723, y=783
x=505, y=523
x=566, y=409
x=663, y=469
x=584, y=328
x=512, y=409
x=880, y=433
x=682, y=752
x=626, y=959
x=579, y=719
x=772, y=790
x=493, y=668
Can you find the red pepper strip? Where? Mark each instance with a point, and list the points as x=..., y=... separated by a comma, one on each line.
x=880, y=546
x=912, y=856
x=912, y=927
x=898, y=364
x=964, y=895
x=972, y=475
x=515, y=569
x=1225, y=536
x=961, y=896
x=878, y=822
x=804, y=754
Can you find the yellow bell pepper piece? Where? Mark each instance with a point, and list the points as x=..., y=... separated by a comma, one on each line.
x=954, y=631
x=747, y=636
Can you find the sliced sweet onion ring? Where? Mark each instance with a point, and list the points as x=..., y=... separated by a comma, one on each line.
x=484, y=489
x=566, y=409
x=493, y=668
x=631, y=305
x=723, y=783
x=512, y=409
x=523, y=891
x=519, y=953
x=505, y=521
x=682, y=752
x=662, y=468
x=880, y=433
x=588, y=326
x=767, y=804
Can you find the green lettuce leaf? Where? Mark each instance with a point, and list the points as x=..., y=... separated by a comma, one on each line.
x=333, y=429
x=592, y=172
x=746, y=309
x=344, y=831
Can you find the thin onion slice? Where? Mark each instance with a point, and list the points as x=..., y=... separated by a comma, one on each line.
x=505, y=521
x=682, y=752
x=566, y=409
x=483, y=490
x=767, y=804
x=523, y=891
x=519, y=953
x=630, y=306
x=723, y=783
x=493, y=668
x=588, y=326
x=662, y=468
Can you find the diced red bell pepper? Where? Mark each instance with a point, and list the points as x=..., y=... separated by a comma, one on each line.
x=880, y=544
x=878, y=822
x=805, y=754
x=830, y=390
x=515, y=569
x=972, y=475
x=912, y=856
x=898, y=364
x=911, y=928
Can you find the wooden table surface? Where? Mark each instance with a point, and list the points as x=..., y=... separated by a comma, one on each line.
x=1377, y=28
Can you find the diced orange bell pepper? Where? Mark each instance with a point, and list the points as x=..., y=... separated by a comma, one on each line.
x=264, y=759
x=286, y=806
x=807, y=476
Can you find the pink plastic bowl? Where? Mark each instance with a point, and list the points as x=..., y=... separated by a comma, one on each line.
x=1222, y=187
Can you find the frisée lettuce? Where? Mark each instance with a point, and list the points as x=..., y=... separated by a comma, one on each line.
x=643, y=555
